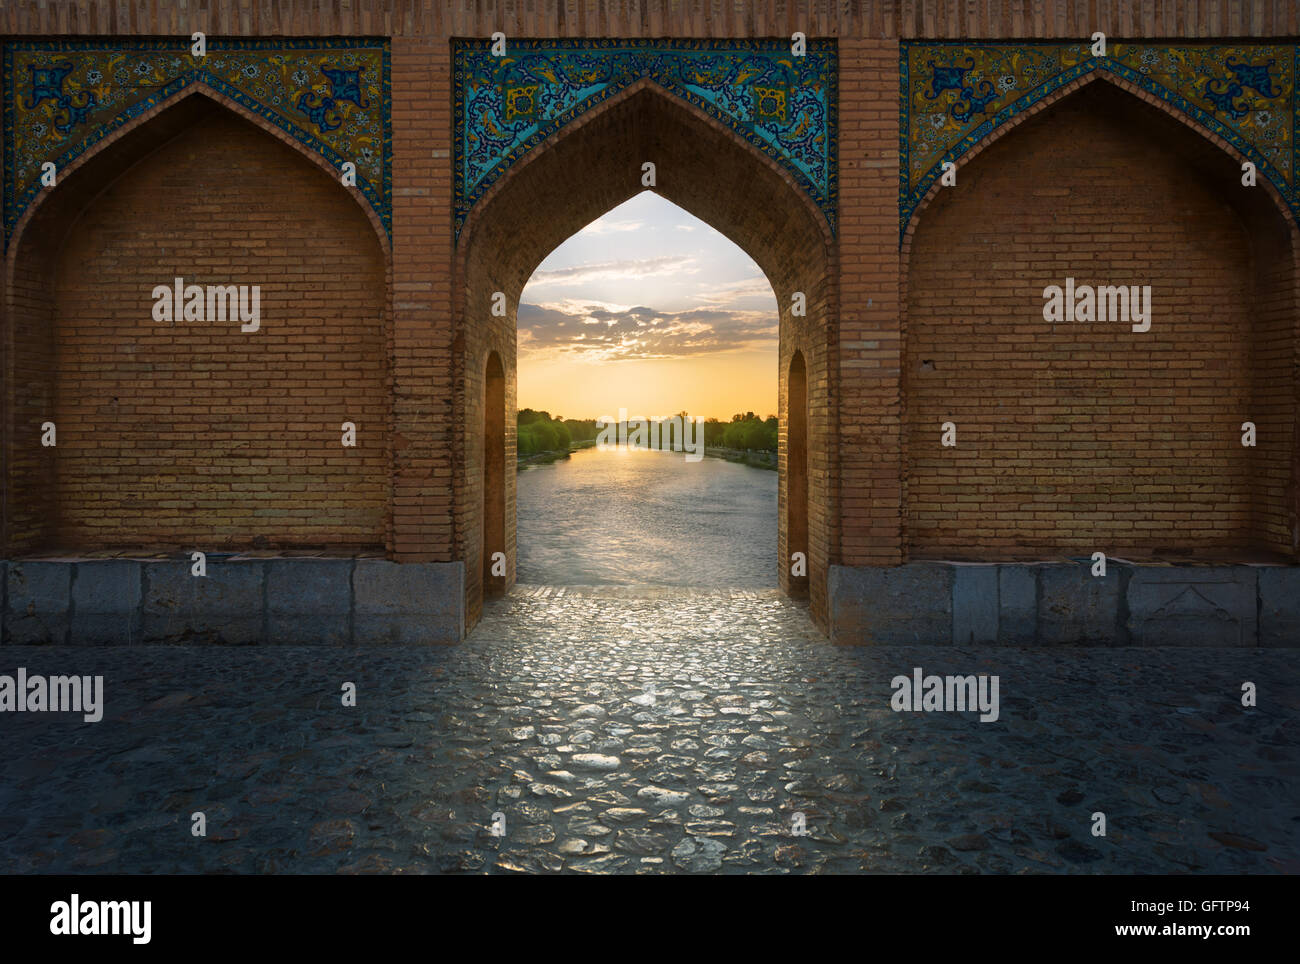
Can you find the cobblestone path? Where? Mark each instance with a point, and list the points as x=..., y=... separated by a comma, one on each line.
x=652, y=732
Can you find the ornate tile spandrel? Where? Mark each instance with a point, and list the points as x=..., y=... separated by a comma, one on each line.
x=61, y=97
x=783, y=105
x=954, y=94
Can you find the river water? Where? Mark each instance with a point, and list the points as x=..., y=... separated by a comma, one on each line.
x=646, y=518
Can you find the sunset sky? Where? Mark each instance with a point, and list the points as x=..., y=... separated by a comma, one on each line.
x=648, y=309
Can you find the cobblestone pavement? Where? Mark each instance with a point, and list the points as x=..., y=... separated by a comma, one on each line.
x=652, y=732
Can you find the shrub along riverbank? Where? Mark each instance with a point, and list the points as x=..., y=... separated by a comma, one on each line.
x=752, y=458
x=545, y=458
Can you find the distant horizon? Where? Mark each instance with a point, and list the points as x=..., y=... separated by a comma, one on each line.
x=634, y=415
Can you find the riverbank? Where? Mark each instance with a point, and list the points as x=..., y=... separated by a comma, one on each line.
x=546, y=458
x=754, y=459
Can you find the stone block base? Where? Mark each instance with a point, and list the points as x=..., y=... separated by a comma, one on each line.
x=241, y=601
x=1063, y=604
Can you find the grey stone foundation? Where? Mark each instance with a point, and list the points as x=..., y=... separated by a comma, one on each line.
x=1063, y=604
x=241, y=601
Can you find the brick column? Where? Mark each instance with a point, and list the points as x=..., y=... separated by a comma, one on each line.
x=870, y=337
x=423, y=429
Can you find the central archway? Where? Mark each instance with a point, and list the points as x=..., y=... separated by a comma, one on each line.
x=586, y=169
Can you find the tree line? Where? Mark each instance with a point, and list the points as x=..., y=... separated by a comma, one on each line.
x=539, y=432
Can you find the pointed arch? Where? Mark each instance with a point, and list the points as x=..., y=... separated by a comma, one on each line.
x=584, y=170
x=30, y=350
x=1129, y=401
x=645, y=100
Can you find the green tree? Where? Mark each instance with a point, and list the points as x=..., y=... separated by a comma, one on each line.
x=538, y=432
x=714, y=431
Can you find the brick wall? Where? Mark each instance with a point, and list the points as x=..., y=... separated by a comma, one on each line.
x=1273, y=367
x=664, y=18
x=195, y=433
x=1089, y=436
x=30, y=510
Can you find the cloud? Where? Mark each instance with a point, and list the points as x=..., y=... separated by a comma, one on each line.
x=684, y=227
x=601, y=226
x=600, y=332
x=616, y=270
x=728, y=293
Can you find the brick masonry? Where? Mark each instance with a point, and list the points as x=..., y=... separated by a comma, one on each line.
x=201, y=433
x=1070, y=441
x=1074, y=437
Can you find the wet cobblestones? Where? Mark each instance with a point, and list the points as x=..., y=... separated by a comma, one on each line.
x=652, y=732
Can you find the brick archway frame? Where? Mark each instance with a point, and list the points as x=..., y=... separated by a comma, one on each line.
x=584, y=170
x=40, y=232
x=1285, y=217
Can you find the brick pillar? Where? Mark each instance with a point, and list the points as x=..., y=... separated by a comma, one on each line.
x=423, y=424
x=870, y=337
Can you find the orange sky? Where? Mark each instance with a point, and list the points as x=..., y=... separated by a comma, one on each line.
x=716, y=386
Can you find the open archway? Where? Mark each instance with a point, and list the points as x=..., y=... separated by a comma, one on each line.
x=172, y=434
x=796, y=476
x=494, y=474
x=1078, y=437
x=580, y=173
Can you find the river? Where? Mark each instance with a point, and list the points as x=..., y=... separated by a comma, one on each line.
x=646, y=518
